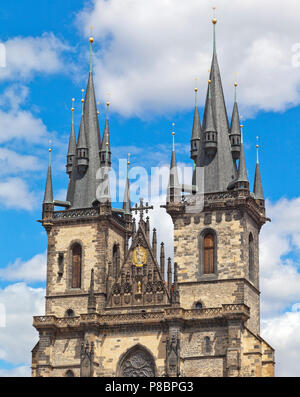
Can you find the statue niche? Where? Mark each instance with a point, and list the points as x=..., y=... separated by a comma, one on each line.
x=137, y=362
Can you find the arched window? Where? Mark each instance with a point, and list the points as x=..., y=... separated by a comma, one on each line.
x=136, y=362
x=70, y=313
x=207, y=344
x=70, y=374
x=116, y=259
x=251, y=257
x=209, y=246
x=76, y=266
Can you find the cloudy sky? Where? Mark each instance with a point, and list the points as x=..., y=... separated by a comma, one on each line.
x=147, y=55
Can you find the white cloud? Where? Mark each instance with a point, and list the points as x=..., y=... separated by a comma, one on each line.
x=22, y=371
x=17, y=123
x=15, y=163
x=283, y=333
x=151, y=52
x=15, y=193
x=18, y=338
x=279, y=257
x=32, y=270
x=26, y=56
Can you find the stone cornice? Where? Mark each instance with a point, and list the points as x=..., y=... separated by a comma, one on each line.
x=228, y=311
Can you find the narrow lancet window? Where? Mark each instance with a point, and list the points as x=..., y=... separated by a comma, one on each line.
x=76, y=266
x=209, y=246
x=251, y=257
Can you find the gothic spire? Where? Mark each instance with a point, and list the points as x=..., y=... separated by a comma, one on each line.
x=104, y=195
x=48, y=196
x=196, y=132
x=162, y=260
x=242, y=172
x=219, y=168
x=84, y=182
x=92, y=298
x=257, y=189
x=235, y=130
x=72, y=144
x=106, y=141
x=126, y=201
x=173, y=191
x=154, y=243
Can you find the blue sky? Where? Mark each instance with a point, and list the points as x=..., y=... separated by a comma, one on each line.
x=146, y=54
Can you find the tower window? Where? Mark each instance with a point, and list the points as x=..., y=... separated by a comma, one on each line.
x=207, y=344
x=251, y=257
x=70, y=374
x=198, y=305
x=116, y=259
x=209, y=245
x=70, y=313
x=76, y=266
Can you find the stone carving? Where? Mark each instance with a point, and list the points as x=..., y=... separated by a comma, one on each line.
x=87, y=360
x=172, y=356
x=137, y=363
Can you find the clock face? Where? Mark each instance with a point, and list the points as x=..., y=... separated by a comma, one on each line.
x=139, y=257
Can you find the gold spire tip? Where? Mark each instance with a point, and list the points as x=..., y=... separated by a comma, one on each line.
x=214, y=20
x=235, y=84
x=91, y=39
x=209, y=81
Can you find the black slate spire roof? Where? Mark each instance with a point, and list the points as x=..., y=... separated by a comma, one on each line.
x=219, y=170
x=48, y=196
x=257, y=189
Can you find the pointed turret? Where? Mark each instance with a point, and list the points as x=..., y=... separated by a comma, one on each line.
x=257, y=189
x=104, y=187
x=162, y=260
x=105, y=141
x=126, y=201
x=154, y=244
x=169, y=275
x=242, y=179
x=210, y=144
x=218, y=169
x=92, y=298
x=235, y=131
x=174, y=190
x=48, y=203
x=196, y=133
x=72, y=144
x=84, y=178
x=82, y=152
x=48, y=196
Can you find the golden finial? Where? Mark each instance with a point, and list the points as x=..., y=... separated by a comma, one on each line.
x=214, y=20
x=73, y=100
x=173, y=134
x=91, y=39
x=50, y=143
x=82, y=91
x=257, y=146
x=98, y=103
x=128, y=159
x=209, y=81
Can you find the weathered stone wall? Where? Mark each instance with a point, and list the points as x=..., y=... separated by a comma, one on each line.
x=228, y=229
x=204, y=367
x=97, y=241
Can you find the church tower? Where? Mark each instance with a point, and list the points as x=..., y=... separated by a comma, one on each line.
x=115, y=306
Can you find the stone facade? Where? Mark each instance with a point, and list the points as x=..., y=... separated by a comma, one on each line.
x=117, y=307
x=144, y=335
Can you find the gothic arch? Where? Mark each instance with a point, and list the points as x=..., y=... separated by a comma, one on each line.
x=201, y=243
x=137, y=361
x=76, y=244
x=251, y=256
